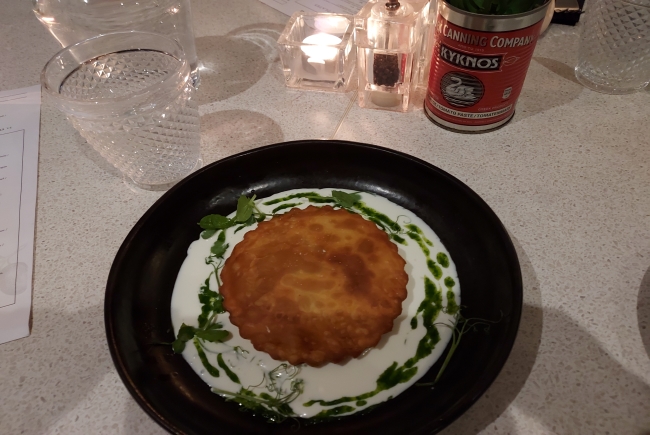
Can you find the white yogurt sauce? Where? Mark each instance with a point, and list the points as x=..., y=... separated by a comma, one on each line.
x=332, y=381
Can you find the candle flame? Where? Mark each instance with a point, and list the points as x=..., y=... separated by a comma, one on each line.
x=320, y=47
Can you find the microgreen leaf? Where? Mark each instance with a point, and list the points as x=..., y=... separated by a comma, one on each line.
x=178, y=346
x=250, y=221
x=206, y=234
x=215, y=222
x=346, y=200
x=212, y=335
x=219, y=248
x=185, y=334
x=245, y=207
x=211, y=302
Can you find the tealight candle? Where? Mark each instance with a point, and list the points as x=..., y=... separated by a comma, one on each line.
x=320, y=47
x=316, y=51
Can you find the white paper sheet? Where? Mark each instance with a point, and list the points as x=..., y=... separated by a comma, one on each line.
x=288, y=7
x=20, y=113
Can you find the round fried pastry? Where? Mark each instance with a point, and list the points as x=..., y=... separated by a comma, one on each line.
x=314, y=286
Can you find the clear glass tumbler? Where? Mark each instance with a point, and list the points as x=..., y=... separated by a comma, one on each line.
x=614, y=56
x=130, y=95
x=72, y=21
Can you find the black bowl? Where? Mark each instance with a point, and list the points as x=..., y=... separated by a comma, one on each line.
x=140, y=284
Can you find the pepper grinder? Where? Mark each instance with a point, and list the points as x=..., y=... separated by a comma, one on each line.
x=387, y=37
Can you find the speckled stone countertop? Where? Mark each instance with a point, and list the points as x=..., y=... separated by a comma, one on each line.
x=569, y=177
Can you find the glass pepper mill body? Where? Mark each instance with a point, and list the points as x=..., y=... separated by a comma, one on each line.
x=387, y=38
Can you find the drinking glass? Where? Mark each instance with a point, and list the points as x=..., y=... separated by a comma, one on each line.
x=130, y=95
x=614, y=54
x=71, y=21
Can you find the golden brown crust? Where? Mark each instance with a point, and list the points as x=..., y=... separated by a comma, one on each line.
x=314, y=285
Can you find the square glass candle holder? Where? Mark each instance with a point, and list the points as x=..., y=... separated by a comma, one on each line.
x=317, y=51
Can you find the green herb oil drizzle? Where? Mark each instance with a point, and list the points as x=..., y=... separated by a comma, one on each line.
x=204, y=359
x=293, y=196
x=233, y=377
x=284, y=206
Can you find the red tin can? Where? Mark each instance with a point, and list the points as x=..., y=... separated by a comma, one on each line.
x=478, y=67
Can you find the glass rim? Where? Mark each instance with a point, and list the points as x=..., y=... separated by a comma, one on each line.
x=142, y=41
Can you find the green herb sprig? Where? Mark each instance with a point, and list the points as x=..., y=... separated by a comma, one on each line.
x=247, y=214
x=212, y=333
x=344, y=199
x=211, y=301
x=459, y=327
x=274, y=408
